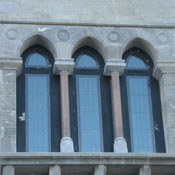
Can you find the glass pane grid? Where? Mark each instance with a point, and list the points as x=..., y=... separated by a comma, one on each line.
x=140, y=114
x=86, y=62
x=36, y=60
x=89, y=111
x=135, y=63
x=37, y=113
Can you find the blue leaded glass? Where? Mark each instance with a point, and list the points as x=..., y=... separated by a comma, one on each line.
x=36, y=60
x=89, y=113
x=135, y=63
x=86, y=61
x=140, y=114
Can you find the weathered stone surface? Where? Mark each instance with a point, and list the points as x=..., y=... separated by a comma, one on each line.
x=55, y=170
x=100, y=170
x=120, y=145
x=145, y=170
x=101, y=11
x=8, y=170
x=122, y=26
x=66, y=145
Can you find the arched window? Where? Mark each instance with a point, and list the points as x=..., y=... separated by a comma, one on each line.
x=38, y=106
x=90, y=104
x=141, y=105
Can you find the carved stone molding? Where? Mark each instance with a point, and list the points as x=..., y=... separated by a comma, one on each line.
x=12, y=64
x=63, y=35
x=163, y=38
x=113, y=37
x=164, y=67
x=12, y=34
x=113, y=66
x=64, y=65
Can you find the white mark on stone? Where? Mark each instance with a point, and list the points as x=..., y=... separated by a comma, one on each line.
x=9, y=74
x=43, y=29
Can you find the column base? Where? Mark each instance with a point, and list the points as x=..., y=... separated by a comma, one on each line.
x=66, y=145
x=120, y=145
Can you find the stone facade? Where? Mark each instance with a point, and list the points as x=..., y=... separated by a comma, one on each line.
x=109, y=26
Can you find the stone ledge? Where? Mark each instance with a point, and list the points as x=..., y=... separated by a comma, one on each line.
x=93, y=24
x=12, y=64
x=85, y=163
x=64, y=65
x=164, y=67
x=112, y=66
x=86, y=158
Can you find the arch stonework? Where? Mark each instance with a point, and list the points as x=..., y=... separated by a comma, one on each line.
x=38, y=38
x=144, y=44
x=91, y=41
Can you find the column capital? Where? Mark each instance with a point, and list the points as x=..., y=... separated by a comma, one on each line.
x=64, y=65
x=114, y=66
x=164, y=67
x=12, y=63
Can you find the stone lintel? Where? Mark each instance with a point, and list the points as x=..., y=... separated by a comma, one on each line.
x=164, y=67
x=14, y=63
x=112, y=66
x=66, y=65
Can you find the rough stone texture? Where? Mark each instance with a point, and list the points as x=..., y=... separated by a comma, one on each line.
x=167, y=85
x=109, y=26
x=78, y=11
x=8, y=170
x=145, y=170
x=55, y=170
x=8, y=111
x=100, y=170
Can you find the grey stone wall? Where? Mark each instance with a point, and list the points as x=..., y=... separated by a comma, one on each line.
x=91, y=11
x=111, y=27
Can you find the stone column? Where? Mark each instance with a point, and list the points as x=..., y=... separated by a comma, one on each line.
x=115, y=68
x=55, y=170
x=8, y=170
x=145, y=170
x=9, y=69
x=100, y=170
x=65, y=68
x=165, y=73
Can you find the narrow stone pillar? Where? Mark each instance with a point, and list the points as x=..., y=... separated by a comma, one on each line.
x=145, y=170
x=64, y=68
x=114, y=69
x=100, y=170
x=10, y=68
x=164, y=71
x=55, y=170
x=66, y=141
x=8, y=170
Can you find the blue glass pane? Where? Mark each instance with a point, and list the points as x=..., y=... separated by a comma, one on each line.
x=135, y=63
x=37, y=113
x=140, y=114
x=36, y=60
x=89, y=112
x=85, y=61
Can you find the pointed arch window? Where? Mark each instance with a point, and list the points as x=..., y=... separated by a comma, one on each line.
x=90, y=103
x=38, y=106
x=141, y=105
